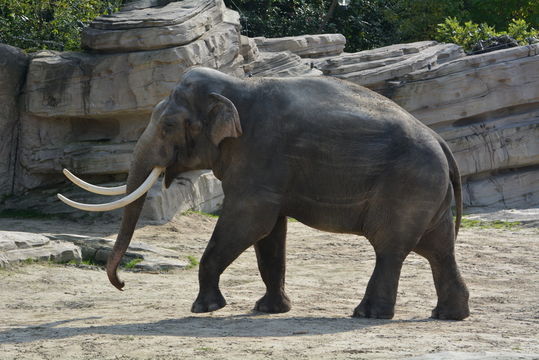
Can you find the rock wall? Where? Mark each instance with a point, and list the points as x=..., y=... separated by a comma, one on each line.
x=13, y=65
x=85, y=110
x=487, y=108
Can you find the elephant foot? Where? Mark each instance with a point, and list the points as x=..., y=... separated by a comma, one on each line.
x=208, y=303
x=450, y=313
x=376, y=310
x=273, y=304
x=453, y=305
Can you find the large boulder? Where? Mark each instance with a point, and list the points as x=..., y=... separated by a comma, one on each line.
x=13, y=66
x=194, y=190
x=136, y=29
x=97, y=85
x=307, y=46
x=17, y=247
x=280, y=64
x=373, y=68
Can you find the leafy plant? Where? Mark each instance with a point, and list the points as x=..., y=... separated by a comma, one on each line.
x=49, y=24
x=521, y=31
x=469, y=33
x=465, y=35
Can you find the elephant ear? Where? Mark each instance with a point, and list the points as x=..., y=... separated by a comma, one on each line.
x=223, y=118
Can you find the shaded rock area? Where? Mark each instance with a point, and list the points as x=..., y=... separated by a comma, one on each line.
x=13, y=66
x=494, y=43
x=18, y=247
x=195, y=190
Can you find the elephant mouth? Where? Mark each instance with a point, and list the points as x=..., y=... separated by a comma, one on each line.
x=118, y=190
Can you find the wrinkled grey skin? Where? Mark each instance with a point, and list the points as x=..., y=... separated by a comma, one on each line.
x=331, y=154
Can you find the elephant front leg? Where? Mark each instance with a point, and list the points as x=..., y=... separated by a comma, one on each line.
x=271, y=257
x=241, y=225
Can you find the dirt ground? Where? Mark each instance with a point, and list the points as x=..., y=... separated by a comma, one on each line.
x=69, y=311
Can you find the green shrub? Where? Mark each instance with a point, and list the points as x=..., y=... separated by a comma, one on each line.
x=521, y=31
x=469, y=33
x=49, y=24
x=465, y=35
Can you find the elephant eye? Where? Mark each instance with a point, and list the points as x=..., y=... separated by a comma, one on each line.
x=168, y=126
x=193, y=126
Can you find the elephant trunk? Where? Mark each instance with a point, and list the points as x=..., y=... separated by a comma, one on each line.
x=138, y=173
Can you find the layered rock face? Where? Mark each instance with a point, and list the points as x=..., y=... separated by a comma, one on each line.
x=373, y=68
x=487, y=108
x=85, y=110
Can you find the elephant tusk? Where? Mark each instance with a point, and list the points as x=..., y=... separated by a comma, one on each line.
x=141, y=190
x=117, y=190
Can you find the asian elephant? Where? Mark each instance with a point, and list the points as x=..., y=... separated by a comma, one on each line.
x=331, y=154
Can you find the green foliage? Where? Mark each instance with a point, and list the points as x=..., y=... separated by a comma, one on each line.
x=200, y=213
x=417, y=19
x=131, y=264
x=499, y=13
x=90, y=262
x=374, y=23
x=495, y=224
x=193, y=262
x=49, y=24
x=364, y=23
x=520, y=30
x=469, y=33
x=57, y=24
x=465, y=35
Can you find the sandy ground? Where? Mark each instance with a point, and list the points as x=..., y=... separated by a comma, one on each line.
x=68, y=311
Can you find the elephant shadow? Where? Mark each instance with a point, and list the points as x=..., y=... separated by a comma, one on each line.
x=246, y=325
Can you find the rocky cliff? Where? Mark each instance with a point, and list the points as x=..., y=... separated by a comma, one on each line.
x=85, y=110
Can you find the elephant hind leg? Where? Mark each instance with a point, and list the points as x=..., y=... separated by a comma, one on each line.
x=270, y=254
x=392, y=242
x=381, y=294
x=438, y=247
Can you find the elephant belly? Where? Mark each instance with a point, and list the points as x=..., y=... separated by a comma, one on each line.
x=339, y=214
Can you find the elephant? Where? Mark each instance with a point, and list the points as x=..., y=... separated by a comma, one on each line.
x=331, y=154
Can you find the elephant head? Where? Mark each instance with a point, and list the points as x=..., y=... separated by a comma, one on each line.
x=184, y=133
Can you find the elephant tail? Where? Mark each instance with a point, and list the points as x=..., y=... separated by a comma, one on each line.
x=454, y=176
